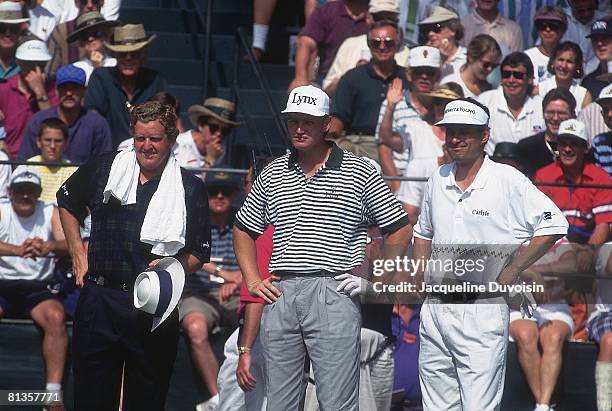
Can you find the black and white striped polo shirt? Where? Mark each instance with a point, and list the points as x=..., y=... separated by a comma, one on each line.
x=320, y=223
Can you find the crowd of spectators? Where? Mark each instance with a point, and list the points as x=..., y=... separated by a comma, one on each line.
x=70, y=73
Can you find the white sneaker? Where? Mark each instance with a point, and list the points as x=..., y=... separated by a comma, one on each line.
x=210, y=405
x=542, y=407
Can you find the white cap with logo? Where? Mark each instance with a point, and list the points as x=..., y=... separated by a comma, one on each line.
x=425, y=56
x=377, y=6
x=33, y=50
x=25, y=175
x=465, y=112
x=605, y=94
x=308, y=100
x=573, y=128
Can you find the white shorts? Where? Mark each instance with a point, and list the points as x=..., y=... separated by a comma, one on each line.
x=546, y=313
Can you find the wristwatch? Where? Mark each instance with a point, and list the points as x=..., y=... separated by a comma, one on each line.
x=43, y=99
x=243, y=350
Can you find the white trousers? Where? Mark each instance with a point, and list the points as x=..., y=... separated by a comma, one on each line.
x=462, y=357
x=231, y=396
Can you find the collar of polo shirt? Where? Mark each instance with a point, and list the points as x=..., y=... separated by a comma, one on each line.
x=479, y=182
x=333, y=161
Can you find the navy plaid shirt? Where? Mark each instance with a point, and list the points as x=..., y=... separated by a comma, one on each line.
x=115, y=249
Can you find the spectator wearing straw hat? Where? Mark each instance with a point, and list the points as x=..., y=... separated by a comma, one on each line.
x=88, y=132
x=588, y=210
x=29, y=92
x=11, y=20
x=205, y=146
x=114, y=90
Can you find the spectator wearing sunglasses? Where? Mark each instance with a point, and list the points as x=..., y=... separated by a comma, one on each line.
x=483, y=55
x=566, y=64
x=601, y=40
x=205, y=146
x=113, y=91
x=443, y=30
x=540, y=150
x=355, y=50
x=486, y=19
x=515, y=113
x=362, y=90
x=11, y=20
x=551, y=24
x=211, y=296
x=580, y=15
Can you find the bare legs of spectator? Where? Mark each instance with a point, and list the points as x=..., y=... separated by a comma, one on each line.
x=49, y=315
x=541, y=370
x=603, y=373
x=196, y=328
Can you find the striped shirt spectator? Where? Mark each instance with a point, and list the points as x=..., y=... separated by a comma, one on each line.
x=602, y=151
x=321, y=223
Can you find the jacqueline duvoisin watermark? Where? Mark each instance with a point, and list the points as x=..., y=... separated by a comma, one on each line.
x=24, y=397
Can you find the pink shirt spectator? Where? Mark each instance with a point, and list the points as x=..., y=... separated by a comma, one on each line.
x=264, y=245
x=18, y=111
x=329, y=25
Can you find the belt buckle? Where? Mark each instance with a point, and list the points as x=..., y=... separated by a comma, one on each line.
x=99, y=280
x=124, y=286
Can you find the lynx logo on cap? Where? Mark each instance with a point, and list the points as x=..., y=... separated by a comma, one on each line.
x=308, y=100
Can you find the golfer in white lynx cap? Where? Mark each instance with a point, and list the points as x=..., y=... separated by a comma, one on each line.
x=319, y=200
x=467, y=203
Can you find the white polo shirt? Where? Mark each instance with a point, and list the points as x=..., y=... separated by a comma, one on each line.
x=504, y=127
x=500, y=210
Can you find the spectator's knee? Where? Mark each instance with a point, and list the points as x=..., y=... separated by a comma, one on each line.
x=526, y=338
x=196, y=328
x=552, y=340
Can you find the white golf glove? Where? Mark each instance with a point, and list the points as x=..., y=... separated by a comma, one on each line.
x=351, y=285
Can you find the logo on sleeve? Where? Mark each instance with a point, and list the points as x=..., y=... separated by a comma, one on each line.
x=547, y=215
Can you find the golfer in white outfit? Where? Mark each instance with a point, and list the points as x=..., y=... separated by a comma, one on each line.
x=493, y=209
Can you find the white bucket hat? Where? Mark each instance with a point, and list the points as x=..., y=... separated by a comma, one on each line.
x=157, y=291
x=464, y=112
x=11, y=13
x=33, y=50
x=308, y=100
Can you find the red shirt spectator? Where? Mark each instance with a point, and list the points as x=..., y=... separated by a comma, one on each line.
x=19, y=109
x=264, y=245
x=584, y=208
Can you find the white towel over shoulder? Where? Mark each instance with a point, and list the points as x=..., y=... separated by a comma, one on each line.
x=165, y=222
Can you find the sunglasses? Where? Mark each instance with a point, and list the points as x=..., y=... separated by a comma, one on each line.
x=428, y=71
x=546, y=25
x=519, y=75
x=224, y=191
x=94, y=2
x=95, y=34
x=387, y=43
x=436, y=28
x=11, y=28
x=216, y=127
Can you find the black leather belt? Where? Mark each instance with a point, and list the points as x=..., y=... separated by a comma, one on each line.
x=465, y=297
x=110, y=283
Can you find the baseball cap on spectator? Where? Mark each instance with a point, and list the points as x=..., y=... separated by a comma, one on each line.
x=574, y=129
x=506, y=150
x=70, y=74
x=600, y=28
x=308, y=100
x=25, y=175
x=221, y=179
x=32, y=50
x=464, y=111
x=425, y=56
x=438, y=15
x=378, y=6
x=551, y=17
x=11, y=13
x=605, y=94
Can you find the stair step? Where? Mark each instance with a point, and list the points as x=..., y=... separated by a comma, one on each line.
x=183, y=21
x=186, y=46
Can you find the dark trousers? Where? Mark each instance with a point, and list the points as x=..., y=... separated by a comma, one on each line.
x=111, y=336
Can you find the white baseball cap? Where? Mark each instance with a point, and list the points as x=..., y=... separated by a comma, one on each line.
x=308, y=100
x=465, y=112
x=425, y=56
x=158, y=290
x=573, y=128
x=377, y=6
x=25, y=175
x=33, y=50
x=605, y=94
